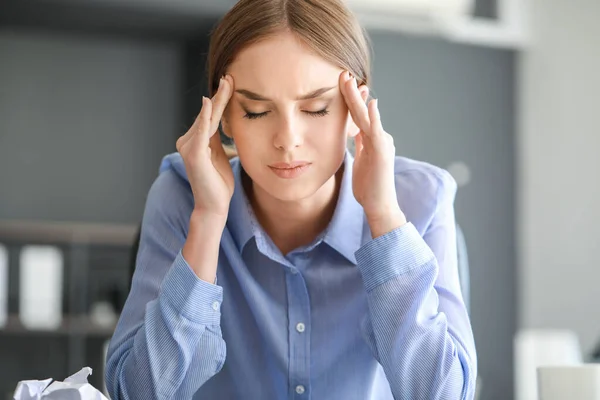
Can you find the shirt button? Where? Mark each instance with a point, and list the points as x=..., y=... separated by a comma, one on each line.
x=300, y=389
x=215, y=306
x=300, y=327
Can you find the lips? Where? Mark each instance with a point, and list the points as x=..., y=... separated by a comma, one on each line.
x=290, y=170
x=295, y=164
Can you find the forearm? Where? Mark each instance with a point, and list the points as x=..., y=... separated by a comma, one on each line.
x=422, y=354
x=178, y=346
x=419, y=354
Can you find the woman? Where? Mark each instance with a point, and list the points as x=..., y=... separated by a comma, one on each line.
x=296, y=270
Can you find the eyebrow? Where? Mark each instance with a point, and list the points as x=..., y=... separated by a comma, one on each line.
x=255, y=96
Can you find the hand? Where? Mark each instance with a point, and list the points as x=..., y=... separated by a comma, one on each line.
x=373, y=172
x=206, y=163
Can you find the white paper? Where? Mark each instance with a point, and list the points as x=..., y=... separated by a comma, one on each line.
x=30, y=390
x=75, y=387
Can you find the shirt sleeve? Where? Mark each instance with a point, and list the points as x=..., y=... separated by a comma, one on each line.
x=168, y=340
x=417, y=326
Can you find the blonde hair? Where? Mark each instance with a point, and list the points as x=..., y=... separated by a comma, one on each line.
x=327, y=27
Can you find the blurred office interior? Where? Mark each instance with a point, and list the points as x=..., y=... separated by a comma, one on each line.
x=93, y=94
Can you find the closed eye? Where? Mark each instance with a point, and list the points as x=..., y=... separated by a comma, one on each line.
x=320, y=113
x=250, y=115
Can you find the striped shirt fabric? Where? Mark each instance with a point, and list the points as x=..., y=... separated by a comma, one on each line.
x=345, y=317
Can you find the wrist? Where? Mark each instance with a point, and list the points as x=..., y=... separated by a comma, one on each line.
x=201, y=248
x=207, y=220
x=384, y=222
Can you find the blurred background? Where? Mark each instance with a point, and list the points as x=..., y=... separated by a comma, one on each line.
x=506, y=97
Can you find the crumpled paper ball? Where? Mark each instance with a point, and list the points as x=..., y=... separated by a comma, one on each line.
x=75, y=387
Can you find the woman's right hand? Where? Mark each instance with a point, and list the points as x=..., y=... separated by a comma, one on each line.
x=207, y=166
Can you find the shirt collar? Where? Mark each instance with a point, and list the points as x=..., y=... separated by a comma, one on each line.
x=242, y=221
x=345, y=231
x=343, y=234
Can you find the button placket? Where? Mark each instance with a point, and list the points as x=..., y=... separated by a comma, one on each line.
x=299, y=335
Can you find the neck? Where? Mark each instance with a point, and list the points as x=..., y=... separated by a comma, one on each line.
x=294, y=224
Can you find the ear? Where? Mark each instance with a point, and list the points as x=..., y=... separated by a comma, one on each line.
x=352, y=128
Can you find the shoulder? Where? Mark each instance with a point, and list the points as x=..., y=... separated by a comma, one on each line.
x=423, y=175
x=421, y=188
x=170, y=199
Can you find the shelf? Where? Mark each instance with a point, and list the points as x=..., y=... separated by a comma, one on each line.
x=68, y=232
x=71, y=325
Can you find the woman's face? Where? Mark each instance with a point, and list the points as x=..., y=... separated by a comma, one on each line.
x=287, y=110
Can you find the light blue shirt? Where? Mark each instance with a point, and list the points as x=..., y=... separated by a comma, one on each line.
x=346, y=317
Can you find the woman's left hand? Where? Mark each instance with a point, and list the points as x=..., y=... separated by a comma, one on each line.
x=373, y=174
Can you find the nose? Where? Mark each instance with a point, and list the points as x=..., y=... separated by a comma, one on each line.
x=288, y=135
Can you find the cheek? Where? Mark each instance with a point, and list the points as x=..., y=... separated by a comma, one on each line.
x=333, y=127
x=327, y=130
x=249, y=135
x=236, y=122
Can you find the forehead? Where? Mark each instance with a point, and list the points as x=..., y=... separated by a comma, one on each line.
x=282, y=66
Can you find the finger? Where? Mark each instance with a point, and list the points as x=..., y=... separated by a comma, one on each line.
x=202, y=129
x=356, y=105
x=182, y=141
x=345, y=77
x=220, y=101
x=375, y=117
x=193, y=129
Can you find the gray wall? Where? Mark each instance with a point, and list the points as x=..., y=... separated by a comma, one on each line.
x=84, y=121
x=485, y=8
x=559, y=189
x=445, y=103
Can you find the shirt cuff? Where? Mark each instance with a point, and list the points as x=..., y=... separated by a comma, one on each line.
x=196, y=300
x=392, y=254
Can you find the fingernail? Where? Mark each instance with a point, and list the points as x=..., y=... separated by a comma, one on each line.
x=220, y=83
x=204, y=100
x=348, y=76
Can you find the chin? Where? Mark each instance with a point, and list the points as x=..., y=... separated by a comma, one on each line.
x=292, y=190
